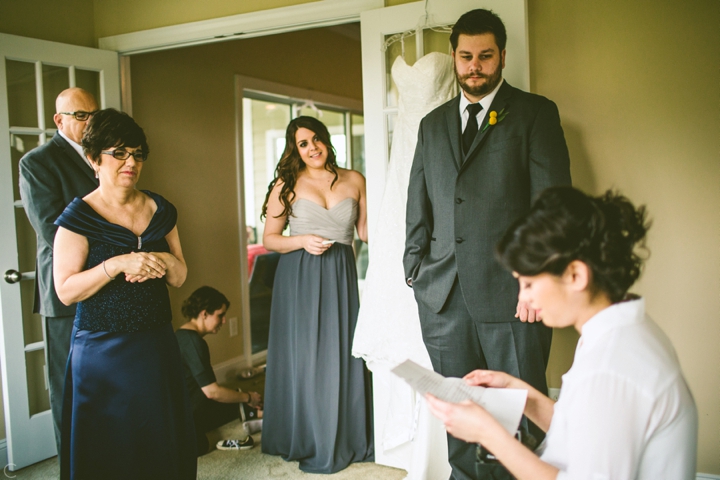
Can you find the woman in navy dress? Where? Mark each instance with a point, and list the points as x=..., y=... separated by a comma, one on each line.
x=126, y=412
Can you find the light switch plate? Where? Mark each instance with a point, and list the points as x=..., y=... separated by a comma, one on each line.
x=233, y=326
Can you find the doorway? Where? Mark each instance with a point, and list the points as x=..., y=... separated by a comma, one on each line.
x=265, y=109
x=185, y=100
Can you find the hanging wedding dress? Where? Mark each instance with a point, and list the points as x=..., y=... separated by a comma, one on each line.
x=388, y=332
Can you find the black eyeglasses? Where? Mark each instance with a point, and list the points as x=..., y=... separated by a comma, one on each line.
x=122, y=154
x=80, y=115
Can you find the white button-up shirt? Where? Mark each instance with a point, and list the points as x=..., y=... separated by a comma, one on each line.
x=625, y=410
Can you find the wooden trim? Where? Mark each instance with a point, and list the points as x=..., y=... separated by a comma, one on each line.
x=322, y=13
x=125, y=85
x=298, y=93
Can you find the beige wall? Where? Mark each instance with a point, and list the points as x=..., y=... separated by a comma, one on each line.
x=143, y=14
x=638, y=88
x=67, y=21
x=83, y=22
x=185, y=101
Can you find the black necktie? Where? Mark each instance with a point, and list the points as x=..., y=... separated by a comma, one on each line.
x=471, y=128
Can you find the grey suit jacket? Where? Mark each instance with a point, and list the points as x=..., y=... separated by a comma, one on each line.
x=459, y=208
x=51, y=176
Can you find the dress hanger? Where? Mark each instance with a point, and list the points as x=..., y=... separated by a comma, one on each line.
x=424, y=22
x=309, y=103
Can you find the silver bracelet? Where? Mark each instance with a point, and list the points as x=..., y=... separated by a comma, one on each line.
x=105, y=270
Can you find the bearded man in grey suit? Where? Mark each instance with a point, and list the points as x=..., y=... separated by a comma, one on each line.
x=51, y=176
x=480, y=160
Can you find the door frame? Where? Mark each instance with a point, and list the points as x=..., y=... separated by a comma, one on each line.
x=323, y=13
x=242, y=84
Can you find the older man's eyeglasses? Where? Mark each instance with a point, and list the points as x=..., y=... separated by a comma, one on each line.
x=80, y=115
x=122, y=154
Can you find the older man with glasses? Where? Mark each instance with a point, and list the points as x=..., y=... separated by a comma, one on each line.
x=51, y=176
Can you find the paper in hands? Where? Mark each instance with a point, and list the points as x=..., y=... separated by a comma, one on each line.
x=505, y=404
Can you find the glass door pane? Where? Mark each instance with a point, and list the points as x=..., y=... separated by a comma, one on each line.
x=264, y=125
x=404, y=48
x=357, y=153
x=436, y=41
x=19, y=146
x=55, y=80
x=88, y=80
x=21, y=94
x=357, y=142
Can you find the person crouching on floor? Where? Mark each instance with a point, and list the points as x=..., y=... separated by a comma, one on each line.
x=213, y=405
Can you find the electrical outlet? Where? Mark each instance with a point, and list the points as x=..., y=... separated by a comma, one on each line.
x=233, y=326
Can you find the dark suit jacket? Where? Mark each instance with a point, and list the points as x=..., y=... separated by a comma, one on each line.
x=51, y=176
x=458, y=209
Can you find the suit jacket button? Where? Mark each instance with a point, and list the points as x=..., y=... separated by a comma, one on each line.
x=458, y=240
x=458, y=200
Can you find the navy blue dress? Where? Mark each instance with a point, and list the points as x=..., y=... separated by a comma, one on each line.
x=126, y=412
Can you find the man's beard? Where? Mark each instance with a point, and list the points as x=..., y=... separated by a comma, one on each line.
x=491, y=81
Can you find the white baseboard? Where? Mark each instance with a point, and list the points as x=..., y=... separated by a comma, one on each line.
x=3, y=452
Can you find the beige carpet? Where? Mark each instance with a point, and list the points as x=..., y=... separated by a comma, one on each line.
x=254, y=465
x=245, y=465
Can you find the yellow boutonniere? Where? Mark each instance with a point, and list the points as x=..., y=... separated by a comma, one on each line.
x=494, y=117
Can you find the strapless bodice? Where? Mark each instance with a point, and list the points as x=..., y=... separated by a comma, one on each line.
x=336, y=223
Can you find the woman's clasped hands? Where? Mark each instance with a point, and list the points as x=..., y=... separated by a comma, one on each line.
x=139, y=267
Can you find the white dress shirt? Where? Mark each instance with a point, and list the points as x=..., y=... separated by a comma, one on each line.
x=625, y=410
x=485, y=102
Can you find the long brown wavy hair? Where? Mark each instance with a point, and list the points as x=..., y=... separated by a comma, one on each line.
x=291, y=165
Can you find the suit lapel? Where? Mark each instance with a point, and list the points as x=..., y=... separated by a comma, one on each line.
x=73, y=156
x=452, y=120
x=499, y=102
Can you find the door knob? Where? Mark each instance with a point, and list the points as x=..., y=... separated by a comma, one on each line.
x=13, y=276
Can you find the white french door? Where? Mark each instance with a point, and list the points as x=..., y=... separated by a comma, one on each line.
x=32, y=74
x=423, y=458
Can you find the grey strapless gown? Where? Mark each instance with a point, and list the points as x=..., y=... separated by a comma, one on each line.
x=318, y=401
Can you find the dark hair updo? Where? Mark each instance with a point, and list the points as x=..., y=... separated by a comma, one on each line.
x=564, y=224
x=204, y=298
x=109, y=128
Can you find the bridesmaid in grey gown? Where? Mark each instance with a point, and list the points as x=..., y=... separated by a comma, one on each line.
x=317, y=396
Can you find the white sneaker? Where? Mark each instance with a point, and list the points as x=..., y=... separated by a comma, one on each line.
x=245, y=444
